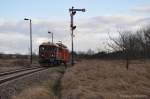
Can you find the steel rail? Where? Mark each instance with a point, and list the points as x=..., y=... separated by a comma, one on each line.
x=17, y=70
x=16, y=75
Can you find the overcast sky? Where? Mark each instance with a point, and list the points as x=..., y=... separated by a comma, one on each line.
x=101, y=17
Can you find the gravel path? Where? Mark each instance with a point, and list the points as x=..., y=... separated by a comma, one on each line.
x=16, y=86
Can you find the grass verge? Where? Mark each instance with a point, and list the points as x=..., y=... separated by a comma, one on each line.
x=48, y=90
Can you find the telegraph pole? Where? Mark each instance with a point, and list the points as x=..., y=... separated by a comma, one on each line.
x=72, y=27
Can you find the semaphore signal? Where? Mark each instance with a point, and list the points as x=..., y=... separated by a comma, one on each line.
x=72, y=13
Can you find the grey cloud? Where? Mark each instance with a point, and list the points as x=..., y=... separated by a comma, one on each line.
x=39, y=29
x=14, y=36
x=13, y=43
x=141, y=9
x=105, y=24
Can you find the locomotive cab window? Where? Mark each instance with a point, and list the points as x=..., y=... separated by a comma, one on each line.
x=47, y=48
x=42, y=48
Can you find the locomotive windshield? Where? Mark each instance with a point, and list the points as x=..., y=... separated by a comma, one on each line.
x=47, y=48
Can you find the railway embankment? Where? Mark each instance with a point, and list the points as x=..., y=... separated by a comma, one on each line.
x=44, y=83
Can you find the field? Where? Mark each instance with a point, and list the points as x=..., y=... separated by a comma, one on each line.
x=91, y=79
x=15, y=63
x=107, y=79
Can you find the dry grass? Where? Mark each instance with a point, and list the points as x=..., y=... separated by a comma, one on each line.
x=48, y=90
x=35, y=93
x=104, y=79
x=12, y=64
x=38, y=92
x=16, y=62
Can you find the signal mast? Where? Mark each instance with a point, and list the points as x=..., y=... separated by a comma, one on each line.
x=73, y=27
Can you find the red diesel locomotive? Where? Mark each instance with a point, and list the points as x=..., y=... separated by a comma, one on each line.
x=53, y=53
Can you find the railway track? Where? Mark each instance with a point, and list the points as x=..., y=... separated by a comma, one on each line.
x=16, y=70
x=8, y=76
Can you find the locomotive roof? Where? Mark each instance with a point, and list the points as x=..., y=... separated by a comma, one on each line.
x=61, y=45
x=54, y=44
x=49, y=43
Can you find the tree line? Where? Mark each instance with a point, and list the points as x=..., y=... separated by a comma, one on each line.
x=128, y=45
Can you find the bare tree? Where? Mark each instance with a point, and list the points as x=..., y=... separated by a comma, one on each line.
x=146, y=33
x=132, y=44
x=127, y=43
